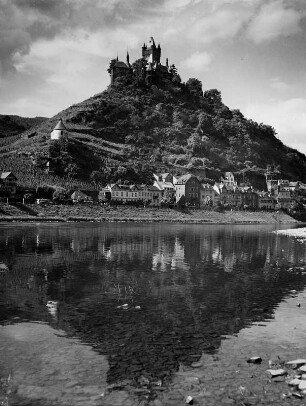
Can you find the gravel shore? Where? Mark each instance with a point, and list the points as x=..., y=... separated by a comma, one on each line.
x=97, y=213
x=295, y=232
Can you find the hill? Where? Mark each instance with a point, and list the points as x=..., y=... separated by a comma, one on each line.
x=141, y=125
x=13, y=125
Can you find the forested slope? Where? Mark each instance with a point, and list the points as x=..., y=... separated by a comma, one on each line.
x=135, y=128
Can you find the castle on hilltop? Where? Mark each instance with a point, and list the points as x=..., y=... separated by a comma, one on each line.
x=150, y=65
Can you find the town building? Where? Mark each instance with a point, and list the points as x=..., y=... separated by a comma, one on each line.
x=272, y=175
x=80, y=197
x=249, y=198
x=208, y=195
x=188, y=186
x=229, y=179
x=130, y=194
x=228, y=196
x=164, y=183
x=8, y=183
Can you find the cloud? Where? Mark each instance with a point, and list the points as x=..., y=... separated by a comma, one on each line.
x=220, y=20
x=24, y=22
x=273, y=20
x=278, y=84
x=287, y=117
x=196, y=62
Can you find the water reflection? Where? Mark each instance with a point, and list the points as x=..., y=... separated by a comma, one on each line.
x=150, y=296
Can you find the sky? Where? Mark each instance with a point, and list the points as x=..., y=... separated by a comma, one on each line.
x=55, y=53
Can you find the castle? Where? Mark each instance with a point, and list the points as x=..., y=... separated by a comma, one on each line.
x=151, y=65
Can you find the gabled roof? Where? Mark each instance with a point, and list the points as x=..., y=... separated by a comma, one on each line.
x=154, y=188
x=5, y=175
x=228, y=174
x=162, y=185
x=78, y=194
x=60, y=125
x=185, y=178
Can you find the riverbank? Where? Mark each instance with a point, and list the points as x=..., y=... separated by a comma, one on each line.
x=299, y=233
x=97, y=213
x=226, y=378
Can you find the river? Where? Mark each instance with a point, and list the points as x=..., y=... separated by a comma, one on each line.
x=133, y=302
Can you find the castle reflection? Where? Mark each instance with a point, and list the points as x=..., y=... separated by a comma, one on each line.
x=192, y=284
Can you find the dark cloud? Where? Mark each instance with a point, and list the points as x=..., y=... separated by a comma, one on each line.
x=23, y=22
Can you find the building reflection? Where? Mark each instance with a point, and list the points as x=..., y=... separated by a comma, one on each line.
x=192, y=284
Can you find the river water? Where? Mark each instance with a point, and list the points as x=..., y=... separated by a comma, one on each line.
x=131, y=301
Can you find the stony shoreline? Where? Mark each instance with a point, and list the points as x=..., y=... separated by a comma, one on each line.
x=97, y=213
x=297, y=232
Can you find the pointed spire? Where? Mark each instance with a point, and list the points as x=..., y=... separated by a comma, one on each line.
x=167, y=62
x=127, y=58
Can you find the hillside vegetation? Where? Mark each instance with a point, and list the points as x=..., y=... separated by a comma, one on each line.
x=135, y=128
x=13, y=125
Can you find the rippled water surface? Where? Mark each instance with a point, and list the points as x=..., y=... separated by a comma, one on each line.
x=148, y=297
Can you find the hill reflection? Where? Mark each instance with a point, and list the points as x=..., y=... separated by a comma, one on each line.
x=183, y=286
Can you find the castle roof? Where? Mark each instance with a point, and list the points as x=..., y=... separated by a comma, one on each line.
x=120, y=64
x=162, y=68
x=60, y=125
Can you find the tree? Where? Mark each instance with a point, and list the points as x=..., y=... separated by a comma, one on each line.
x=97, y=177
x=139, y=69
x=182, y=201
x=205, y=123
x=213, y=96
x=111, y=65
x=168, y=198
x=194, y=87
x=60, y=195
x=194, y=143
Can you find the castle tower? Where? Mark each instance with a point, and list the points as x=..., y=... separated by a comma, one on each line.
x=59, y=131
x=272, y=176
x=151, y=53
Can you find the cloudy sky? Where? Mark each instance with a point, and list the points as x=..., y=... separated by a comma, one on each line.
x=54, y=53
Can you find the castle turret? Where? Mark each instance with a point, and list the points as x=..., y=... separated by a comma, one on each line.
x=152, y=53
x=59, y=131
x=127, y=58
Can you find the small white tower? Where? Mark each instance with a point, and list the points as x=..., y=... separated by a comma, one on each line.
x=59, y=131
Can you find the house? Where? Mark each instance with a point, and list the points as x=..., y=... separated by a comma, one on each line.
x=8, y=183
x=266, y=201
x=59, y=132
x=229, y=179
x=284, y=198
x=228, y=195
x=249, y=197
x=155, y=195
x=125, y=194
x=163, y=177
x=166, y=189
x=188, y=186
x=105, y=194
x=208, y=195
x=79, y=196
